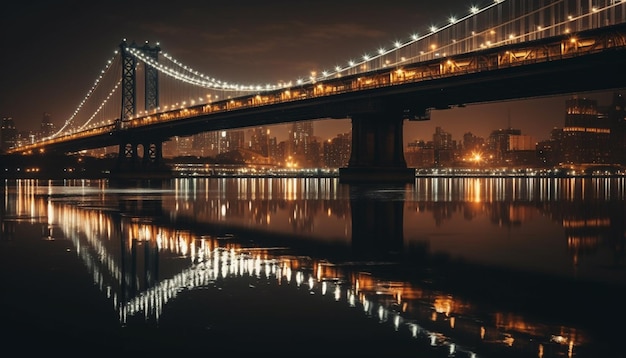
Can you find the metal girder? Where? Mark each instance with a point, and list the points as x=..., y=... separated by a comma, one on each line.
x=129, y=83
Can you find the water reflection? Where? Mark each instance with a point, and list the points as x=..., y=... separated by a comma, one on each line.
x=383, y=250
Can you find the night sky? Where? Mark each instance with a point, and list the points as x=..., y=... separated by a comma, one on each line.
x=53, y=51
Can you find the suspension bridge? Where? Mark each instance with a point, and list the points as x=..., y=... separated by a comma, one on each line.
x=506, y=49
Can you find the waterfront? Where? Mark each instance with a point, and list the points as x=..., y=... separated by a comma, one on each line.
x=463, y=267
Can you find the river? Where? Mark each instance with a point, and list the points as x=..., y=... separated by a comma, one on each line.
x=441, y=267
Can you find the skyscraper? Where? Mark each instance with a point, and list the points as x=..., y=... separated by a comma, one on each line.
x=8, y=133
x=47, y=127
x=300, y=138
x=586, y=133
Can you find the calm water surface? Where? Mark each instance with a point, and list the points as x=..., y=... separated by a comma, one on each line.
x=442, y=267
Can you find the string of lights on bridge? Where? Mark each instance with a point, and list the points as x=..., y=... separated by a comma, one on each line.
x=186, y=74
x=93, y=88
x=205, y=81
x=209, y=82
x=212, y=83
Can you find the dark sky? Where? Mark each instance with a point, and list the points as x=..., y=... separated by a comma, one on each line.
x=53, y=51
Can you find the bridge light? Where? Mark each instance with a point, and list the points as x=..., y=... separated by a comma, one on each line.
x=433, y=28
x=415, y=37
x=474, y=10
x=397, y=44
x=381, y=51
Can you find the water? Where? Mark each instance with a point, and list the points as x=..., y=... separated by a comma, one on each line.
x=442, y=267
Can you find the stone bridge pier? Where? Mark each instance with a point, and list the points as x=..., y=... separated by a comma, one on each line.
x=377, y=150
x=140, y=158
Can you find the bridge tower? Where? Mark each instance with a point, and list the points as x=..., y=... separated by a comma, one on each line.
x=128, y=154
x=129, y=79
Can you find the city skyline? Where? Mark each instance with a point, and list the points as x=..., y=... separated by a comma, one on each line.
x=499, y=115
x=239, y=42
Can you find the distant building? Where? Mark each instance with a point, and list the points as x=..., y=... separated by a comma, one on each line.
x=231, y=140
x=47, y=127
x=178, y=146
x=472, y=143
x=258, y=140
x=206, y=144
x=521, y=142
x=499, y=144
x=617, y=120
x=8, y=134
x=337, y=151
x=300, y=135
x=549, y=151
x=420, y=154
x=299, y=140
x=274, y=155
x=586, y=134
x=444, y=147
x=314, y=153
x=522, y=151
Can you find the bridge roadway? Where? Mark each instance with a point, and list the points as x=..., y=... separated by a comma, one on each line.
x=379, y=101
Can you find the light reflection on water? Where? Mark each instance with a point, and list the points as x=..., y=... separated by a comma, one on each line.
x=360, y=246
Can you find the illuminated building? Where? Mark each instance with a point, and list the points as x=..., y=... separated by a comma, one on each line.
x=337, y=151
x=8, y=133
x=585, y=134
x=549, y=151
x=420, y=154
x=499, y=143
x=206, y=144
x=444, y=147
x=258, y=140
x=300, y=139
x=47, y=127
